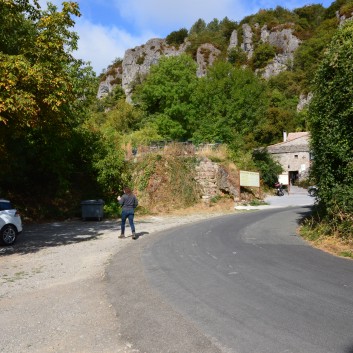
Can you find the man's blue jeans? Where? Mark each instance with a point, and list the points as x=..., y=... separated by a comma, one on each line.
x=130, y=215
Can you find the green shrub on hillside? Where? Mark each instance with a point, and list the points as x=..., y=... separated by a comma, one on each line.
x=237, y=56
x=263, y=54
x=177, y=37
x=271, y=17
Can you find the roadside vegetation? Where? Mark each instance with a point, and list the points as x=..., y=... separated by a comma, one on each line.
x=59, y=144
x=331, y=126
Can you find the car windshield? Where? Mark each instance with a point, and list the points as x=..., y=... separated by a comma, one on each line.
x=5, y=205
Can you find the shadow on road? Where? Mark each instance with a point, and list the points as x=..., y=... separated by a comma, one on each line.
x=305, y=214
x=36, y=237
x=349, y=349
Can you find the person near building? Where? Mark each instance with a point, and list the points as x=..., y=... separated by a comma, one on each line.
x=128, y=202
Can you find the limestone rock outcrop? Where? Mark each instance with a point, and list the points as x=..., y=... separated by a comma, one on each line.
x=342, y=18
x=285, y=42
x=247, y=44
x=137, y=61
x=111, y=78
x=304, y=100
x=281, y=38
x=205, y=57
x=233, y=42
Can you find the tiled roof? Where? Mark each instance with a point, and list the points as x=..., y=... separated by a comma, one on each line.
x=295, y=135
x=296, y=142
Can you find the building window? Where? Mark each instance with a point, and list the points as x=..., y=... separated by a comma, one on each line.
x=296, y=156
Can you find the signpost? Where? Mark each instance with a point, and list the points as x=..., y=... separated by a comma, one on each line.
x=250, y=179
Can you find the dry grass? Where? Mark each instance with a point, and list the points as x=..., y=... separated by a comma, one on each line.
x=335, y=246
x=332, y=244
x=166, y=183
x=217, y=153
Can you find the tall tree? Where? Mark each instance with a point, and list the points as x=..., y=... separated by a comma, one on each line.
x=44, y=94
x=331, y=125
x=230, y=103
x=198, y=27
x=166, y=94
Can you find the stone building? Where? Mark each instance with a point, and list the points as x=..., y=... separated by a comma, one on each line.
x=293, y=154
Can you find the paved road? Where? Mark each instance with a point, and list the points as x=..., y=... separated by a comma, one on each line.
x=295, y=197
x=240, y=283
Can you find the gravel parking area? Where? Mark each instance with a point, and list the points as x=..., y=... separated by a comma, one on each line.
x=52, y=286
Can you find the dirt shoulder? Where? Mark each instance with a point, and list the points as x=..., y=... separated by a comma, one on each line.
x=52, y=285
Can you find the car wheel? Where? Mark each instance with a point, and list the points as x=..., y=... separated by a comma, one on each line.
x=8, y=234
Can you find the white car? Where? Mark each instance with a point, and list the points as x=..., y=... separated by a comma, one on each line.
x=10, y=223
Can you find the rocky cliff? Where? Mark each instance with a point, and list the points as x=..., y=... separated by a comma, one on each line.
x=281, y=38
x=137, y=61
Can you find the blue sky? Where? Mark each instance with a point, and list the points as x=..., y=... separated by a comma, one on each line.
x=109, y=27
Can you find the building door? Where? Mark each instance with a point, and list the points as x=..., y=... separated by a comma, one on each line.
x=293, y=176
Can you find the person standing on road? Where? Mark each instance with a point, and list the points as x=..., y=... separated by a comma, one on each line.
x=128, y=202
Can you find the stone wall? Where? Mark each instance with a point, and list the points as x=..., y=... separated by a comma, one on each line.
x=297, y=161
x=215, y=180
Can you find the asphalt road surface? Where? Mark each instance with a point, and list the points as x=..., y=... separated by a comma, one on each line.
x=242, y=283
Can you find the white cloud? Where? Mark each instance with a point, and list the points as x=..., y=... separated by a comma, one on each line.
x=177, y=14
x=101, y=45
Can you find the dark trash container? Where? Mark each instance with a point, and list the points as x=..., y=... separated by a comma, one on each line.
x=92, y=209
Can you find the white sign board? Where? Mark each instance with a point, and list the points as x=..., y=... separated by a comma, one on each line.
x=283, y=179
x=249, y=179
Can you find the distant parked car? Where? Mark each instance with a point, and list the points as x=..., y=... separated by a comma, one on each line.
x=312, y=190
x=10, y=223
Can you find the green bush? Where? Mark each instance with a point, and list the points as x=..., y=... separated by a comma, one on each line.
x=268, y=167
x=112, y=209
x=237, y=56
x=263, y=53
x=177, y=37
x=331, y=128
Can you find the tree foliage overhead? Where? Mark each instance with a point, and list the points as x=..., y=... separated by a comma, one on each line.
x=36, y=78
x=331, y=126
x=44, y=97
